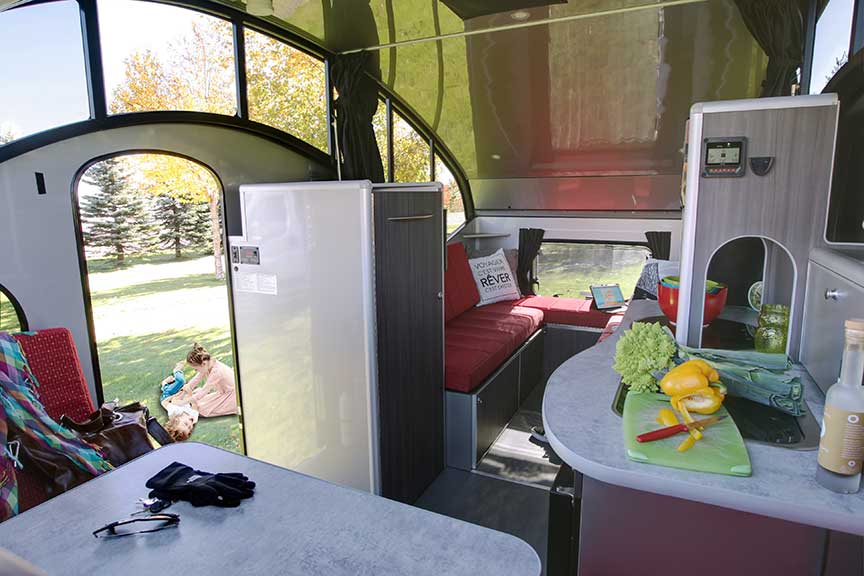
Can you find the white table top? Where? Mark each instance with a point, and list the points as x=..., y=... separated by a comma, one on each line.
x=293, y=525
x=586, y=433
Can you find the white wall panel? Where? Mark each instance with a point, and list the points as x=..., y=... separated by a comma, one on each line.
x=38, y=252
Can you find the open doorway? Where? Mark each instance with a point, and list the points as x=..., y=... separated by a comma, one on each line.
x=152, y=230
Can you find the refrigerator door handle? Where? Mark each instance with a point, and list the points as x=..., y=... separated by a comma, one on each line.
x=410, y=218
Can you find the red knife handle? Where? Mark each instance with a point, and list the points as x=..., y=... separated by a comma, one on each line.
x=662, y=433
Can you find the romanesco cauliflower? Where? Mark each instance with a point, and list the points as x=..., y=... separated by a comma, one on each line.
x=641, y=351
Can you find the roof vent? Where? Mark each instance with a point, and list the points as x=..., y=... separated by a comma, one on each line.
x=467, y=9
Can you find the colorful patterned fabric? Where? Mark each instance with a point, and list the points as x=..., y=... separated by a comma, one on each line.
x=21, y=410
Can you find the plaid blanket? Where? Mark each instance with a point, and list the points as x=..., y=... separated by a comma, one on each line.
x=21, y=410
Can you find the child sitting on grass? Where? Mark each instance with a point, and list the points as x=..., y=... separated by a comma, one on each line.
x=182, y=414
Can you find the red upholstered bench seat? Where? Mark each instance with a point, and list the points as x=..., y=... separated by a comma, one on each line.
x=571, y=311
x=480, y=340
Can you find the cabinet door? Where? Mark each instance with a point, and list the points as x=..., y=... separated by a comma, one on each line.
x=409, y=258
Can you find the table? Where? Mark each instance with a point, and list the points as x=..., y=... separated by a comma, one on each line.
x=294, y=524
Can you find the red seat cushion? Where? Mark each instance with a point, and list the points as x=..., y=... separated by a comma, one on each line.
x=480, y=340
x=53, y=358
x=460, y=290
x=571, y=311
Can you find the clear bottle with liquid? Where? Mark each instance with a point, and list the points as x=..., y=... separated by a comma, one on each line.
x=841, y=446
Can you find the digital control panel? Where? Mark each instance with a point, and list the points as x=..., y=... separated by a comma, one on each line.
x=724, y=157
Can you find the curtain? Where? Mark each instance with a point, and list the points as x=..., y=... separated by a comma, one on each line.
x=530, y=240
x=660, y=244
x=778, y=26
x=355, y=108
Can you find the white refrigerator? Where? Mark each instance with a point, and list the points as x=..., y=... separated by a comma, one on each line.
x=304, y=311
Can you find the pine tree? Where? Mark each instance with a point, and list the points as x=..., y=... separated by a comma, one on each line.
x=182, y=225
x=116, y=216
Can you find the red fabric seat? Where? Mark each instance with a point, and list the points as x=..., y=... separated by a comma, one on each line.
x=570, y=311
x=481, y=339
x=53, y=358
x=460, y=290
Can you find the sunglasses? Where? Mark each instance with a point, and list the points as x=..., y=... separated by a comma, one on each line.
x=152, y=523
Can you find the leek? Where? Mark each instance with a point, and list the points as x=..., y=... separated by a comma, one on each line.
x=756, y=376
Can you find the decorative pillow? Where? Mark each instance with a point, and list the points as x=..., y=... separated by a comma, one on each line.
x=512, y=255
x=495, y=281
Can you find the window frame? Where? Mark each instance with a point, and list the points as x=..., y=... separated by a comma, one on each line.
x=100, y=119
x=23, y=323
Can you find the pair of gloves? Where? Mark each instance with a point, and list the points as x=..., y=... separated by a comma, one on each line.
x=180, y=482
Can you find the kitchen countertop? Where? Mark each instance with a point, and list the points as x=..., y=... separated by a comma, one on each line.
x=294, y=525
x=585, y=433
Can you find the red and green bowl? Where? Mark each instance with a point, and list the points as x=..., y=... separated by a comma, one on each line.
x=667, y=297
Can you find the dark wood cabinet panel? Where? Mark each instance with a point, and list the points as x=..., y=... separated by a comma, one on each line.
x=531, y=366
x=496, y=404
x=409, y=281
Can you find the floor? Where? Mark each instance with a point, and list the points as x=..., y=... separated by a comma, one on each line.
x=501, y=505
x=509, y=491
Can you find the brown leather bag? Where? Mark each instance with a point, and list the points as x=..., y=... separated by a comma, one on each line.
x=121, y=433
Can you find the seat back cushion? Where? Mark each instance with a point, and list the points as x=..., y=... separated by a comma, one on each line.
x=460, y=290
x=53, y=359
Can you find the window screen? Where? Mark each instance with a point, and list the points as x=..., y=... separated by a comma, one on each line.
x=570, y=269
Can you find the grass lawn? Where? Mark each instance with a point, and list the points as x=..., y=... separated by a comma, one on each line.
x=568, y=270
x=147, y=314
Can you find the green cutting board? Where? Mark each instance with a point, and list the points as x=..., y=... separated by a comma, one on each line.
x=720, y=451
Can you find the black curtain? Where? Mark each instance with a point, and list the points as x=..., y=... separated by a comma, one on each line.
x=660, y=244
x=779, y=28
x=530, y=240
x=355, y=107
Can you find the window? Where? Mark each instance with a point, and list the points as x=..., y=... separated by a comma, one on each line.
x=11, y=318
x=159, y=57
x=379, y=123
x=411, y=153
x=569, y=269
x=452, y=195
x=831, y=45
x=287, y=89
x=42, y=75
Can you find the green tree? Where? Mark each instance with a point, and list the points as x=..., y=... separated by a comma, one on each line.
x=7, y=134
x=181, y=225
x=115, y=216
x=199, y=75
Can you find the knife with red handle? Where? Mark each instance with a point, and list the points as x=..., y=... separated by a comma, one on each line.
x=677, y=429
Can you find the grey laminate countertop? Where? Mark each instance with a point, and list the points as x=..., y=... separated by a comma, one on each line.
x=586, y=434
x=295, y=525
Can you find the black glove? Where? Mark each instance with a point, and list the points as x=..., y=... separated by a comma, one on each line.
x=180, y=482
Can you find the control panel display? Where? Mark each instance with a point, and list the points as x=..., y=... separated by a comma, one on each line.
x=724, y=157
x=245, y=255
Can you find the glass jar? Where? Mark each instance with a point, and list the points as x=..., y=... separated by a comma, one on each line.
x=773, y=329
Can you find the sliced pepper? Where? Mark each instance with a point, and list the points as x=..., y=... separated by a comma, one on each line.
x=667, y=417
x=686, y=444
x=702, y=401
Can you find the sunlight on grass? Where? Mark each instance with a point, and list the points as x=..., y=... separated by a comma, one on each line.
x=147, y=315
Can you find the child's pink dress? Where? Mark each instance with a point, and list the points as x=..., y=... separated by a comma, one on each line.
x=217, y=396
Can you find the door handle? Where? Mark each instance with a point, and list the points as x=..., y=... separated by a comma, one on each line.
x=410, y=218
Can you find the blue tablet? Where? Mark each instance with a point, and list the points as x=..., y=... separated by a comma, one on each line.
x=607, y=296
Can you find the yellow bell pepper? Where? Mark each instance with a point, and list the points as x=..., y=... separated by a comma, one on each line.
x=694, y=386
